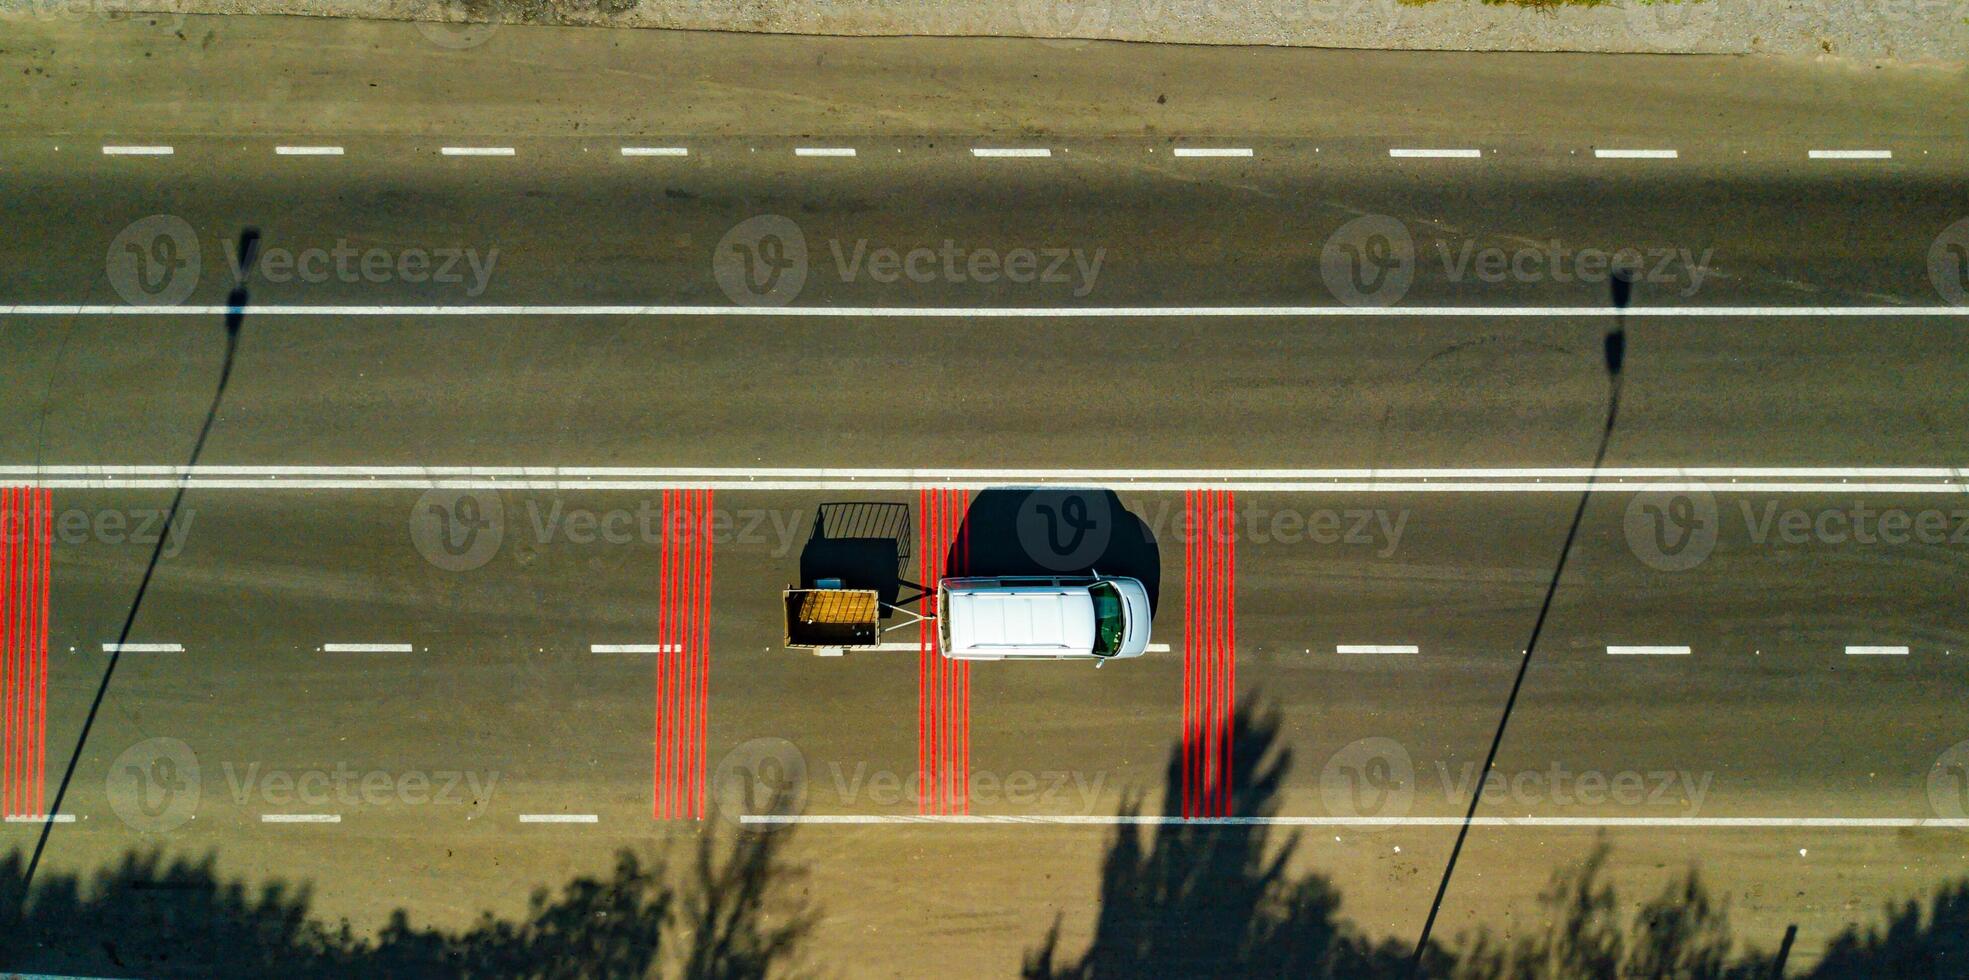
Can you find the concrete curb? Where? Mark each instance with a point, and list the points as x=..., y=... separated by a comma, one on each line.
x=1931, y=32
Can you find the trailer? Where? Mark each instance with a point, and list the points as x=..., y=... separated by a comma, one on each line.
x=851, y=580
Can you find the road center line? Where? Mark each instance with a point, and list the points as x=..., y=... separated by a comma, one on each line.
x=1212, y=151
x=367, y=648
x=40, y=818
x=1637, y=154
x=143, y=648
x=137, y=151
x=823, y=151
x=1866, y=651
x=1645, y=651
x=477, y=151
x=300, y=818
x=1851, y=154
x=1406, y=153
x=1366, y=648
x=559, y=818
x=1712, y=823
x=655, y=151
x=307, y=151
x=1012, y=151
x=637, y=648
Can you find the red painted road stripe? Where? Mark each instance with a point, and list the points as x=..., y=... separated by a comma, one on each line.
x=9, y=674
x=680, y=754
x=26, y=544
x=1209, y=652
x=943, y=687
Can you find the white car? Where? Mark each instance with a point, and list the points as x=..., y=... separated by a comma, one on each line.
x=1022, y=618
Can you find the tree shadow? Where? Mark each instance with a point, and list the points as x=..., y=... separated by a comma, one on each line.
x=1193, y=899
x=1216, y=900
x=153, y=916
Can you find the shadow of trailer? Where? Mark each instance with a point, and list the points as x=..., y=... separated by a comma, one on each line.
x=851, y=579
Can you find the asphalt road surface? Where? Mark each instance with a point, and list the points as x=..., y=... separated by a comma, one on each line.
x=406, y=602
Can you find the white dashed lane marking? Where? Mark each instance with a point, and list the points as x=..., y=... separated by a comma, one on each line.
x=477, y=151
x=1876, y=651
x=559, y=818
x=307, y=151
x=655, y=151
x=1213, y=151
x=138, y=151
x=1456, y=154
x=300, y=818
x=40, y=818
x=1852, y=154
x=1369, y=648
x=823, y=151
x=1637, y=154
x=143, y=648
x=634, y=648
x=1647, y=651
x=367, y=648
x=1012, y=151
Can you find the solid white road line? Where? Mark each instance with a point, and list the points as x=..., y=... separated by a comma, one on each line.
x=1713, y=823
x=1859, y=651
x=1851, y=154
x=823, y=151
x=1905, y=480
x=634, y=648
x=138, y=151
x=1012, y=151
x=477, y=151
x=40, y=818
x=656, y=151
x=1376, y=648
x=559, y=818
x=143, y=648
x=1621, y=651
x=1000, y=312
x=1404, y=153
x=913, y=648
x=367, y=648
x=1637, y=154
x=307, y=151
x=1212, y=151
x=300, y=818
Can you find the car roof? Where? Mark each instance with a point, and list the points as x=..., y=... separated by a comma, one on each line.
x=1038, y=617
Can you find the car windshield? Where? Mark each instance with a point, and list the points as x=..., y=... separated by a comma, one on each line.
x=1108, y=622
